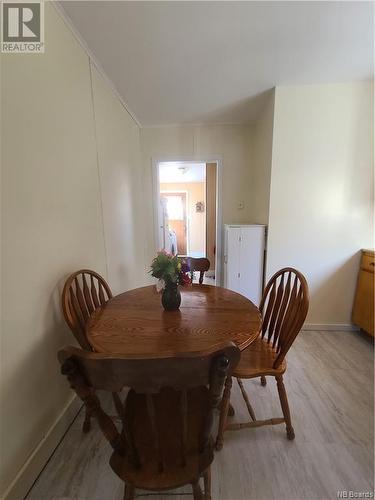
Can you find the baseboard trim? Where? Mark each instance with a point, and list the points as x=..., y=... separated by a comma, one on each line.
x=338, y=327
x=34, y=465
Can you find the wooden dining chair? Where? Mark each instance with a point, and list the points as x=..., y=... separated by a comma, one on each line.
x=284, y=307
x=84, y=291
x=200, y=265
x=167, y=417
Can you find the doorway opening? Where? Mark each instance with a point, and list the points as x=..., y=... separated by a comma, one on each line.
x=187, y=201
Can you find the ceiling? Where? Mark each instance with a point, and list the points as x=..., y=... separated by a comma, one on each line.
x=177, y=171
x=213, y=62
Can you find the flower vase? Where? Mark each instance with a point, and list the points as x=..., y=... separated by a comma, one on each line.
x=171, y=297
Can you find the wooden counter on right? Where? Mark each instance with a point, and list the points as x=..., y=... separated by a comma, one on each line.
x=363, y=308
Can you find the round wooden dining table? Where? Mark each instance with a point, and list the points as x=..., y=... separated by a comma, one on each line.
x=134, y=323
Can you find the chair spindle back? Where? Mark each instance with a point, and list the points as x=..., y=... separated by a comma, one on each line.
x=284, y=307
x=84, y=291
x=89, y=371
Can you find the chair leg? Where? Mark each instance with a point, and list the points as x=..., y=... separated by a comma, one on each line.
x=129, y=492
x=244, y=395
x=87, y=422
x=231, y=411
x=263, y=380
x=118, y=405
x=197, y=492
x=224, y=413
x=285, y=406
x=207, y=484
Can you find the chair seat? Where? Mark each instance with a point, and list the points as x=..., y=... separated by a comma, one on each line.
x=257, y=360
x=175, y=472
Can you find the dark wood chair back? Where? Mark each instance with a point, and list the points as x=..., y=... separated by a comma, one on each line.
x=89, y=371
x=284, y=307
x=198, y=264
x=84, y=291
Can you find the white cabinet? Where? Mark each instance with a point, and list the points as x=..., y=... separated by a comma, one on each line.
x=244, y=259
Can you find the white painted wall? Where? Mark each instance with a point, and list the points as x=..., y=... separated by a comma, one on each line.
x=52, y=225
x=321, y=207
x=120, y=180
x=262, y=137
x=230, y=143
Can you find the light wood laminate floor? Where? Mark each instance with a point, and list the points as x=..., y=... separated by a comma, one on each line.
x=330, y=387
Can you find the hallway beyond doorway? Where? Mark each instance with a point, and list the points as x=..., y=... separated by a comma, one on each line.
x=187, y=210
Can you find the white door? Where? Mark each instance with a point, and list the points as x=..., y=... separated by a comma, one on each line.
x=233, y=259
x=164, y=239
x=251, y=258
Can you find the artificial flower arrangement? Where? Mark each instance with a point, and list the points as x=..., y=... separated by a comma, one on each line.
x=171, y=271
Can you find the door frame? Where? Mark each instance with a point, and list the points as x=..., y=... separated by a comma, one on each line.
x=155, y=189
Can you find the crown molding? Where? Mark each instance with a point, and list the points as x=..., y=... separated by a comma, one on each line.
x=201, y=124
